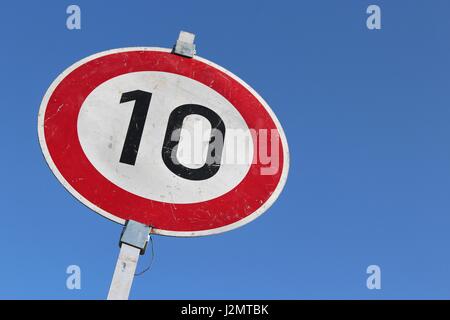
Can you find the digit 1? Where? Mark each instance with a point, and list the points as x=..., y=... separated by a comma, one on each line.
x=136, y=126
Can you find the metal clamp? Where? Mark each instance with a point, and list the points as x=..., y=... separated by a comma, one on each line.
x=136, y=235
x=185, y=45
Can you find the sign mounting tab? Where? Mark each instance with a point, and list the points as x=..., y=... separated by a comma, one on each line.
x=185, y=44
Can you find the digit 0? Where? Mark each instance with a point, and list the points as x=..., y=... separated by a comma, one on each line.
x=172, y=138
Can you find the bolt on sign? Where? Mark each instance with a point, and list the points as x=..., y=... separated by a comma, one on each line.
x=169, y=140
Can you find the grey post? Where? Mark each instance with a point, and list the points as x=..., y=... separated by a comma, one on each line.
x=133, y=242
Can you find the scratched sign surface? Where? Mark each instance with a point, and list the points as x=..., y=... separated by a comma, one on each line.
x=177, y=143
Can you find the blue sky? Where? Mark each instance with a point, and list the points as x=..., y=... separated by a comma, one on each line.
x=366, y=114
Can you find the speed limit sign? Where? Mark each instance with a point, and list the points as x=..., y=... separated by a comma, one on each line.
x=173, y=142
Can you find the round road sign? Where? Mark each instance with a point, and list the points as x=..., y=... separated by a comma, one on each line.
x=177, y=143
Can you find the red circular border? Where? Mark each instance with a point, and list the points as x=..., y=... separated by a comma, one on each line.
x=61, y=137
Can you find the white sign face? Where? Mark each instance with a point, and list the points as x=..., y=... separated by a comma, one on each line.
x=103, y=124
x=176, y=143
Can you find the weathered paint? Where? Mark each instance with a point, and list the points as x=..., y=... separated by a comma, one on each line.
x=71, y=134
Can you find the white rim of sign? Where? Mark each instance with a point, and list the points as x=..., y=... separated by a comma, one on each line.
x=86, y=202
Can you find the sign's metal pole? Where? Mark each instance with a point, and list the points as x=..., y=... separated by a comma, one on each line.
x=124, y=273
x=133, y=242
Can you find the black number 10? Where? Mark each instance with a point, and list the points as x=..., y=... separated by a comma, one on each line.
x=136, y=127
